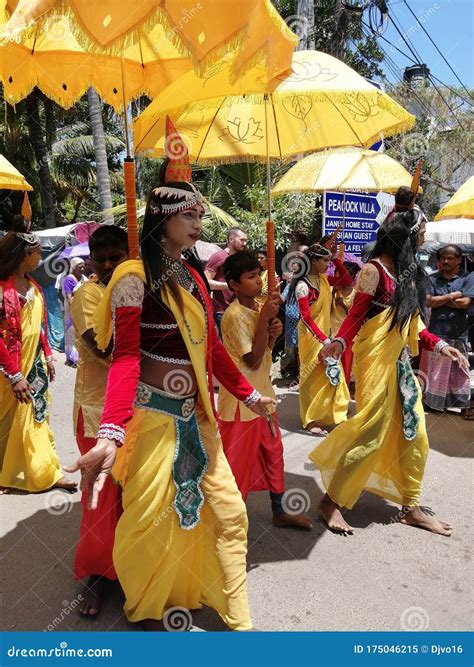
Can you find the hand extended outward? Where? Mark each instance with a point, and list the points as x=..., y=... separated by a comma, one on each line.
x=456, y=356
x=95, y=467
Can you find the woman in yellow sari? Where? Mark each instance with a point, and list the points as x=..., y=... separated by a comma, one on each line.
x=28, y=459
x=324, y=397
x=383, y=449
x=182, y=538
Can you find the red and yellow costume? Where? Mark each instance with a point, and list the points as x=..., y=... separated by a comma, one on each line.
x=254, y=453
x=28, y=456
x=97, y=530
x=161, y=562
x=320, y=401
x=383, y=448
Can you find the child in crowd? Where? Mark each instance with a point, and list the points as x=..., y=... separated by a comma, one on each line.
x=253, y=444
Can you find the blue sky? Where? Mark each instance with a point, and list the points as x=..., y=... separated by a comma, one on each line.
x=450, y=25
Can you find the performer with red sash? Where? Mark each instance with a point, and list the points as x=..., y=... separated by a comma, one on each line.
x=28, y=459
x=182, y=537
x=384, y=447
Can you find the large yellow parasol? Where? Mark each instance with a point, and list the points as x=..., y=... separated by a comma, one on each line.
x=344, y=169
x=461, y=204
x=321, y=103
x=123, y=49
x=65, y=47
x=10, y=178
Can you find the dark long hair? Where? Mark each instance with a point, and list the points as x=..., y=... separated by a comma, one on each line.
x=304, y=260
x=13, y=249
x=398, y=238
x=152, y=249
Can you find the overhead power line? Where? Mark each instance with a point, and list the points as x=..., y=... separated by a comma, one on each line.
x=436, y=47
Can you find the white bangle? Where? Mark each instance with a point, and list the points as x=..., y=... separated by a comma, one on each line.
x=327, y=341
x=16, y=377
x=440, y=345
x=252, y=398
x=111, y=432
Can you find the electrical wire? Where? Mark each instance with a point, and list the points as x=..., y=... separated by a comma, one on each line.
x=445, y=85
x=436, y=46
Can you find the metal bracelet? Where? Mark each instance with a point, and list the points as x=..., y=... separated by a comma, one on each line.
x=338, y=339
x=253, y=398
x=13, y=379
x=440, y=345
x=111, y=432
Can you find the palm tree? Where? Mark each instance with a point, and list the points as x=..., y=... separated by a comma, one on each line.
x=103, y=177
x=35, y=130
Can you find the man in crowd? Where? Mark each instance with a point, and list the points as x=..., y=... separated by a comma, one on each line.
x=221, y=295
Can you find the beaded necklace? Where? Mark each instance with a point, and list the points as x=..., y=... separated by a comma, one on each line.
x=184, y=278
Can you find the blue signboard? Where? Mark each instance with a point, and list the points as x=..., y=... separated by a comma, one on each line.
x=363, y=212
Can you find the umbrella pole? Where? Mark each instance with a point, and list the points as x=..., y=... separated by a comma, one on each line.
x=270, y=227
x=129, y=182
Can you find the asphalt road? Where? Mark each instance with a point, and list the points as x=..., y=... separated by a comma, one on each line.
x=386, y=576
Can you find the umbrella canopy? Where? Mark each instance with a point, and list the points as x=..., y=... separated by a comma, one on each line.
x=451, y=230
x=10, y=178
x=79, y=250
x=63, y=48
x=344, y=169
x=461, y=203
x=322, y=103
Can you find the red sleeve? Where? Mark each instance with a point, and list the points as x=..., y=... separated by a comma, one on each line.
x=428, y=340
x=305, y=312
x=226, y=371
x=342, y=277
x=6, y=362
x=355, y=318
x=44, y=343
x=124, y=371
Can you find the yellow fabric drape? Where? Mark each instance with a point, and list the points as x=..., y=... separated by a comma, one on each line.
x=28, y=457
x=369, y=451
x=320, y=401
x=160, y=565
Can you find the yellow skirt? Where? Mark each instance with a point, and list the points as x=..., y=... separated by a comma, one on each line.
x=369, y=451
x=320, y=401
x=159, y=564
x=28, y=459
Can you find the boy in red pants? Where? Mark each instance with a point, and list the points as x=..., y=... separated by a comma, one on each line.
x=253, y=444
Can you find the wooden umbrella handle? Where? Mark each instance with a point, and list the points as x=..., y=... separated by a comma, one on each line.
x=131, y=202
x=271, y=256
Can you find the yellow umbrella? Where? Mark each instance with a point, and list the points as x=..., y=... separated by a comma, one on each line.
x=461, y=204
x=123, y=49
x=63, y=48
x=10, y=178
x=322, y=103
x=344, y=169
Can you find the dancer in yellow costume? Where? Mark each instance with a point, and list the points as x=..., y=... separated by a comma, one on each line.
x=383, y=449
x=324, y=397
x=28, y=459
x=182, y=538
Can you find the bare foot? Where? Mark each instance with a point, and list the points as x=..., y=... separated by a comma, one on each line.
x=65, y=483
x=333, y=517
x=92, y=596
x=314, y=429
x=422, y=518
